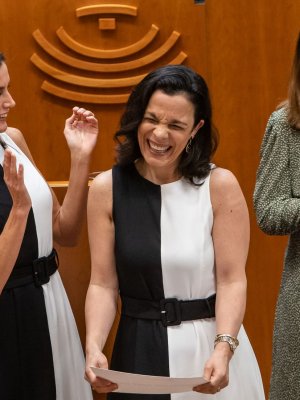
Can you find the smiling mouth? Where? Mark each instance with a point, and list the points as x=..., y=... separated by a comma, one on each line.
x=158, y=149
x=3, y=117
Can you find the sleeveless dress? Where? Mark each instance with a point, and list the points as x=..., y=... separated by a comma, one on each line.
x=41, y=357
x=164, y=249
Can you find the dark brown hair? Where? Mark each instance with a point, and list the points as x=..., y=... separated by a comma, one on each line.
x=172, y=80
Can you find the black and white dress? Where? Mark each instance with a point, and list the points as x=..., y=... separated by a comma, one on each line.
x=164, y=249
x=41, y=357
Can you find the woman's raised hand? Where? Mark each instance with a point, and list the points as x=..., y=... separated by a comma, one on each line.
x=14, y=179
x=81, y=131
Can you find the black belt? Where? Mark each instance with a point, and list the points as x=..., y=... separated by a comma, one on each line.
x=170, y=311
x=38, y=272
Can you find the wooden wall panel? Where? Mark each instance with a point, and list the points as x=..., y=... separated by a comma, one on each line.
x=40, y=116
x=250, y=46
x=244, y=50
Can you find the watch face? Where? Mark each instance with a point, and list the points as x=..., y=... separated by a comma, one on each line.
x=232, y=344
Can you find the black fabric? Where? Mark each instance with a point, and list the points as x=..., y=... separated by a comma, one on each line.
x=169, y=311
x=38, y=272
x=136, y=214
x=26, y=365
x=141, y=346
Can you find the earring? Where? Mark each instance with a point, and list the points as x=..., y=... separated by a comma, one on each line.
x=189, y=145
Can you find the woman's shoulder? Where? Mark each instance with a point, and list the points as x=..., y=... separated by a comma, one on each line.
x=100, y=194
x=222, y=179
x=103, y=181
x=279, y=115
x=278, y=122
x=278, y=132
x=224, y=188
x=15, y=135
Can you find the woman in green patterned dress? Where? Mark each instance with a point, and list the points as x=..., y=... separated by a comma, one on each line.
x=277, y=205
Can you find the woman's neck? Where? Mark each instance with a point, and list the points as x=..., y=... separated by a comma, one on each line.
x=158, y=176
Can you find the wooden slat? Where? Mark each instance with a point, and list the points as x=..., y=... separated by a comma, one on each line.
x=58, y=184
x=97, y=67
x=84, y=81
x=100, y=53
x=96, y=98
x=84, y=97
x=63, y=184
x=106, y=9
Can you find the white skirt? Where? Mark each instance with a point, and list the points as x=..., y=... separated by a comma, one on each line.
x=68, y=357
x=245, y=381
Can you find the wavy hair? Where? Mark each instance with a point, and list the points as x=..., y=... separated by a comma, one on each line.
x=172, y=80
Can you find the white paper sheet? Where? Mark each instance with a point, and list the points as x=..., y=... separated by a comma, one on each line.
x=147, y=384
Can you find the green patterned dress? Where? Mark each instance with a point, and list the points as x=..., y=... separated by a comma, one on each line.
x=277, y=205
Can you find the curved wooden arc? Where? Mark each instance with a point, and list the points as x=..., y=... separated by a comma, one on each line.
x=84, y=97
x=106, y=9
x=178, y=59
x=96, y=98
x=100, y=53
x=97, y=67
x=81, y=80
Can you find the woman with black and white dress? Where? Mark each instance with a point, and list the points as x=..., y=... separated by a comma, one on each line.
x=41, y=357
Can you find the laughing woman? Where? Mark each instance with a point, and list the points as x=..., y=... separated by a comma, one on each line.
x=169, y=232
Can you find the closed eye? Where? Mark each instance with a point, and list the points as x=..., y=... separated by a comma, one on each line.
x=176, y=127
x=150, y=119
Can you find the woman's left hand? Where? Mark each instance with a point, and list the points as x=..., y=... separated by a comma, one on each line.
x=81, y=131
x=216, y=370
